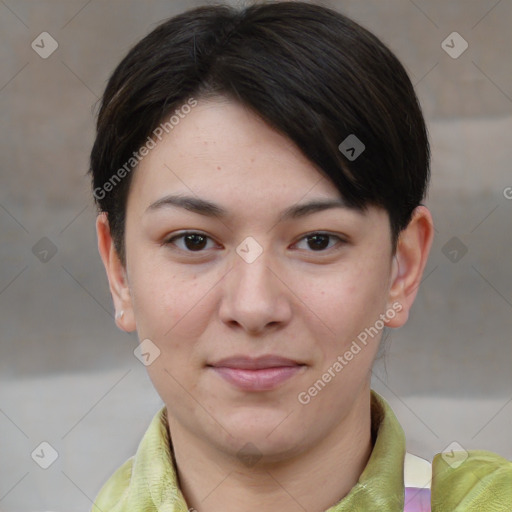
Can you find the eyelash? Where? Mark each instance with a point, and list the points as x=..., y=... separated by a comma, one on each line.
x=171, y=240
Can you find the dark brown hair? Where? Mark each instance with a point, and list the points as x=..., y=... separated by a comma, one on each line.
x=310, y=72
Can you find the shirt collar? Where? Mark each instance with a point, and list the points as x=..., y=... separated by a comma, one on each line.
x=154, y=485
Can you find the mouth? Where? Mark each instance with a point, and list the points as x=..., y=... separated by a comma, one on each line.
x=255, y=363
x=256, y=374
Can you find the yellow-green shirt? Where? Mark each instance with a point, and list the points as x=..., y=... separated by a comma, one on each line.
x=147, y=482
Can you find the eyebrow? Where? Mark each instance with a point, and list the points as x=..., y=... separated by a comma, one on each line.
x=209, y=209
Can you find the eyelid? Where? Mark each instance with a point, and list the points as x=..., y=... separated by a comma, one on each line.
x=181, y=235
x=341, y=242
x=339, y=237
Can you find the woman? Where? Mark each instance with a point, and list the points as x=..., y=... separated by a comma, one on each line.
x=230, y=143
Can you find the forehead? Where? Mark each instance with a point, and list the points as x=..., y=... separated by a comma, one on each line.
x=222, y=148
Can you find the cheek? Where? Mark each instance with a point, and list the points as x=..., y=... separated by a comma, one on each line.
x=354, y=292
x=171, y=306
x=347, y=302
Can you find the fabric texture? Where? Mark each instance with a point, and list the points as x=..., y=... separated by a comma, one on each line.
x=147, y=482
x=417, y=499
x=476, y=480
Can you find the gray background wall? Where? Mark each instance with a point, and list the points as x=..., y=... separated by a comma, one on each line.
x=69, y=377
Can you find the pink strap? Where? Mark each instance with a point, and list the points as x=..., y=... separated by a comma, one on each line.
x=417, y=499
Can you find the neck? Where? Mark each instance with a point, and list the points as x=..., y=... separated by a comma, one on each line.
x=215, y=481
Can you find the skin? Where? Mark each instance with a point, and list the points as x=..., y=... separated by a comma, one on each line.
x=305, y=304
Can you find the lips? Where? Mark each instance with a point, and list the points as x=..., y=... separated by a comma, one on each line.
x=258, y=363
x=256, y=374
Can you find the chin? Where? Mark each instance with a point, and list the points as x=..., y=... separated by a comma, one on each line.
x=268, y=431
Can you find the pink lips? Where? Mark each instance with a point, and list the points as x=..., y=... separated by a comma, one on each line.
x=256, y=374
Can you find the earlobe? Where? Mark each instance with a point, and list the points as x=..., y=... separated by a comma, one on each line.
x=409, y=263
x=116, y=274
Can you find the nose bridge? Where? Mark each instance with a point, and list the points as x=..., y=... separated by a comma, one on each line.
x=254, y=297
x=253, y=269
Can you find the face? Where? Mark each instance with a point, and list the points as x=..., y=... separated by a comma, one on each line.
x=252, y=282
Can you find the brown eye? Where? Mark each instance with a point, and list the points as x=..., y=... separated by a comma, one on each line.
x=192, y=241
x=319, y=242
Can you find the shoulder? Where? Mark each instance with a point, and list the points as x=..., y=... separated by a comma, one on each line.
x=113, y=492
x=472, y=481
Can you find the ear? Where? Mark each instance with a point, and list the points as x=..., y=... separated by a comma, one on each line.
x=411, y=256
x=116, y=273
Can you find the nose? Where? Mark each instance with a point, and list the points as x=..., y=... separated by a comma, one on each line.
x=255, y=297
